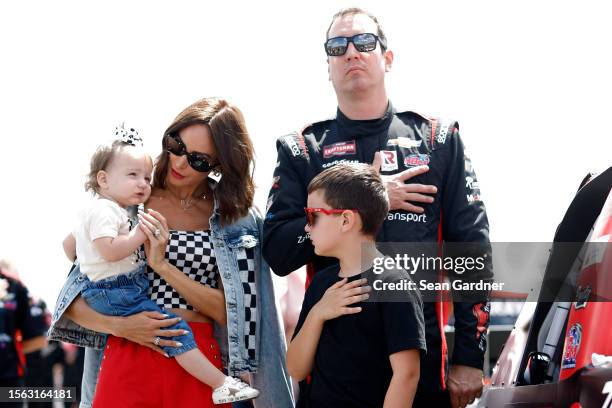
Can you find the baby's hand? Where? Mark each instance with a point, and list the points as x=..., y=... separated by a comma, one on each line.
x=339, y=296
x=154, y=225
x=138, y=235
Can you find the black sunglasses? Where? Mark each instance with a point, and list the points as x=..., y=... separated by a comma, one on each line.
x=198, y=161
x=364, y=42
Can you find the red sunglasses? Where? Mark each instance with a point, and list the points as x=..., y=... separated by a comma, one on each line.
x=312, y=212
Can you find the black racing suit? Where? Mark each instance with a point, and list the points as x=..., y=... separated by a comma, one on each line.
x=406, y=139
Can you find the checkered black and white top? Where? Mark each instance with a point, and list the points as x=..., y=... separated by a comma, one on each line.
x=192, y=253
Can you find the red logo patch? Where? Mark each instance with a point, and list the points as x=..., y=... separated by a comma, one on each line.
x=339, y=149
x=416, y=160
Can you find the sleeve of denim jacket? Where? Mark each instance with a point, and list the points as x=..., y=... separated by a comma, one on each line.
x=271, y=378
x=64, y=329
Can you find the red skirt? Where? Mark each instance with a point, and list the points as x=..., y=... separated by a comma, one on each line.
x=135, y=376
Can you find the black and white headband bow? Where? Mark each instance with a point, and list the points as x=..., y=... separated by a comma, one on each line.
x=129, y=135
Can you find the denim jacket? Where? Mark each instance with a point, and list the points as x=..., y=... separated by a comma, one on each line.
x=267, y=367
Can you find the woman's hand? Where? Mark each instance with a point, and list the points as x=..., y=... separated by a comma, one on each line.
x=154, y=225
x=145, y=327
x=141, y=328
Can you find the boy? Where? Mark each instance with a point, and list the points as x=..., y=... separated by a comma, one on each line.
x=358, y=354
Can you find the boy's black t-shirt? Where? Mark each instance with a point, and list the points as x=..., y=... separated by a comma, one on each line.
x=352, y=367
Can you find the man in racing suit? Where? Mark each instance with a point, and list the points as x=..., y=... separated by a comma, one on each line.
x=427, y=151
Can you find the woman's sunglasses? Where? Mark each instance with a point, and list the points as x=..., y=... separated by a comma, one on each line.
x=198, y=161
x=364, y=42
x=311, y=213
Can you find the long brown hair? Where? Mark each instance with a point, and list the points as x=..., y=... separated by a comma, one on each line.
x=236, y=189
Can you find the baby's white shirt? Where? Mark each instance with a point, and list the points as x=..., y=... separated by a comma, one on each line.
x=102, y=218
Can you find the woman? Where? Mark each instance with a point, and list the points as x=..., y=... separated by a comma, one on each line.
x=205, y=266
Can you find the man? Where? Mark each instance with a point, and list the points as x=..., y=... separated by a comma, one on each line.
x=20, y=332
x=442, y=202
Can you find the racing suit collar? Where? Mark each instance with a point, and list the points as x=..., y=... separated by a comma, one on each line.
x=360, y=128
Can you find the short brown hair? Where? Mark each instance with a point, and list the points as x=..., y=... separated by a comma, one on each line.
x=101, y=160
x=356, y=10
x=356, y=186
x=236, y=189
